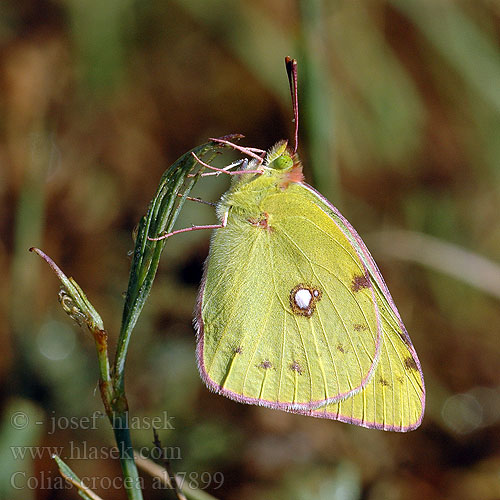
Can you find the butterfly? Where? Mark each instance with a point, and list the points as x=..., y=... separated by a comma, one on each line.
x=293, y=312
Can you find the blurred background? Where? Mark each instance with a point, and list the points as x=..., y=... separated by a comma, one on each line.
x=400, y=129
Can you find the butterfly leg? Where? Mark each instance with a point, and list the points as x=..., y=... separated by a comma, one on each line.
x=192, y=228
x=252, y=152
x=218, y=171
x=225, y=170
x=199, y=200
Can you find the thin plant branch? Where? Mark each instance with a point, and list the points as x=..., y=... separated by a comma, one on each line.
x=158, y=472
x=168, y=467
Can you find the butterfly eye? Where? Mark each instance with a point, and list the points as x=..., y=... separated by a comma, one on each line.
x=282, y=163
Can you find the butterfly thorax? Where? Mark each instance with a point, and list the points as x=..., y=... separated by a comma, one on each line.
x=244, y=198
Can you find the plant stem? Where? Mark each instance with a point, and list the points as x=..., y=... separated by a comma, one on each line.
x=175, y=185
x=131, y=478
x=76, y=305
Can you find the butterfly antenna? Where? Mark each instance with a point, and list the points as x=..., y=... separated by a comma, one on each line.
x=291, y=69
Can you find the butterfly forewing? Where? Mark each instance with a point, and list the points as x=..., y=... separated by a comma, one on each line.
x=287, y=314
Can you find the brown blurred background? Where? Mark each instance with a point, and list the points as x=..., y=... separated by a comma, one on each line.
x=400, y=128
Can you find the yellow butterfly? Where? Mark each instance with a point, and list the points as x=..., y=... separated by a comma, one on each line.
x=293, y=313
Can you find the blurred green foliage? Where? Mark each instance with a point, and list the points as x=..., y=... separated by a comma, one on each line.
x=400, y=109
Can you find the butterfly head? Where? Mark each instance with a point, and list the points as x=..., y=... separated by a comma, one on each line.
x=284, y=162
x=279, y=157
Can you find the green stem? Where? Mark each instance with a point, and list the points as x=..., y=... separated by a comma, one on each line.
x=76, y=305
x=131, y=478
x=101, y=344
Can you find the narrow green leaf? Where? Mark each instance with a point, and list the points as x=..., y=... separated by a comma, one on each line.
x=175, y=185
x=70, y=476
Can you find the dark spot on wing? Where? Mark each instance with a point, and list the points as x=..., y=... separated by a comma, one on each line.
x=296, y=367
x=410, y=364
x=403, y=338
x=359, y=282
x=238, y=350
x=262, y=221
x=265, y=365
x=400, y=379
x=358, y=327
x=383, y=382
x=340, y=348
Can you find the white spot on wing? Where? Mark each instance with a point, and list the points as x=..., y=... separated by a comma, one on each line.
x=303, y=298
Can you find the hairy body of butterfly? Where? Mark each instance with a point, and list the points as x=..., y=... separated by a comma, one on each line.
x=293, y=313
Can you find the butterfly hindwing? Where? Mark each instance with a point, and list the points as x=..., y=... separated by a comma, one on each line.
x=394, y=399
